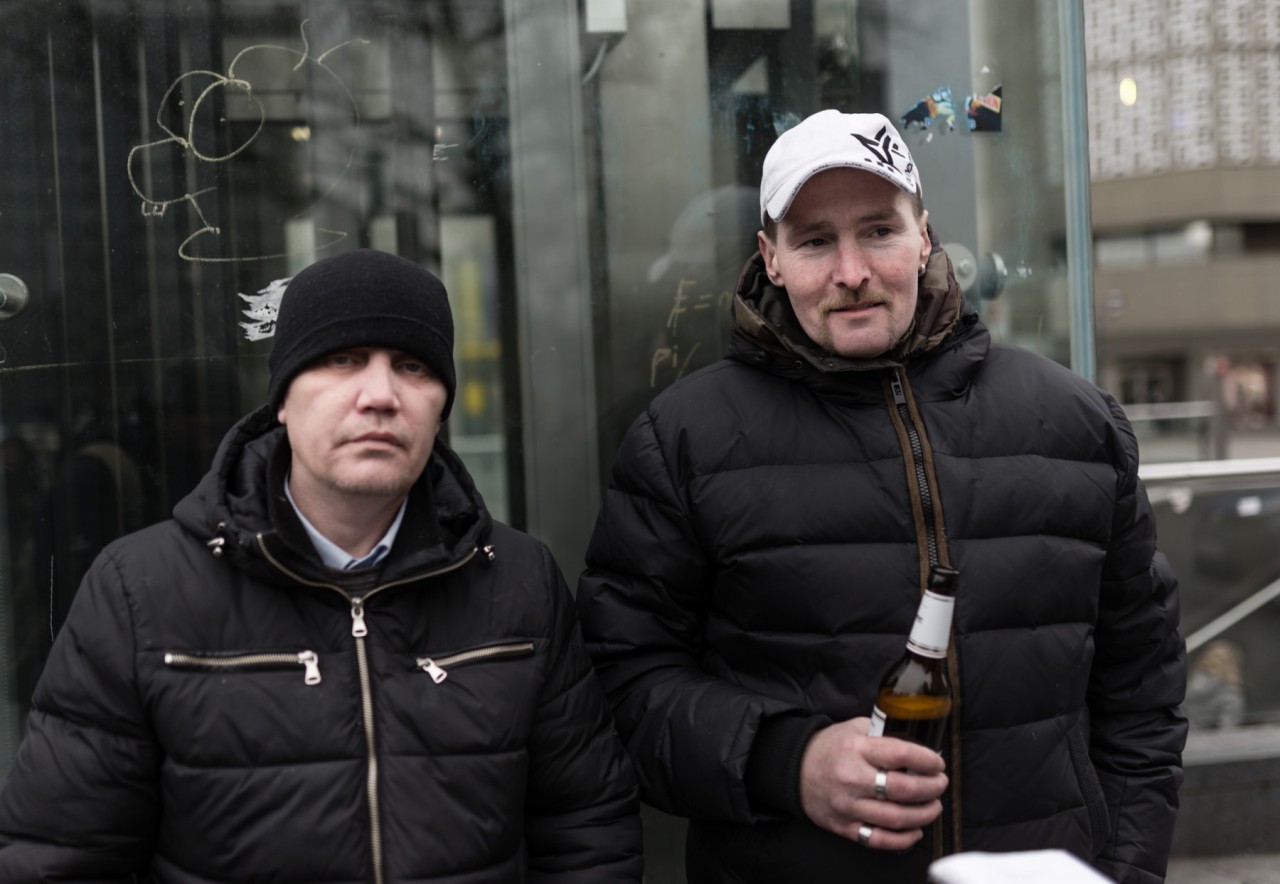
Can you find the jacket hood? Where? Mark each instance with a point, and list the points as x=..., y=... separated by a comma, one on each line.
x=232, y=509
x=763, y=315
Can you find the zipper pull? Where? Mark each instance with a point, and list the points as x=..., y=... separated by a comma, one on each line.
x=430, y=668
x=311, y=661
x=899, y=397
x=490, y=553
x=217, y=542
x=358, y=629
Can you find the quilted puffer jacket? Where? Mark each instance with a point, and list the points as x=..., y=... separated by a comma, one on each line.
x=757, y=565
x=221, y=707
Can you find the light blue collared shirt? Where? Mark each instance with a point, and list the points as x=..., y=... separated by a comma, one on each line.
x=335, y=556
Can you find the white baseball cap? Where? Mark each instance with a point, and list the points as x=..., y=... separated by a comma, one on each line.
x=832, y=140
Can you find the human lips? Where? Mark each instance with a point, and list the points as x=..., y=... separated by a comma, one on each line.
x=855, y=307
x=378, y=437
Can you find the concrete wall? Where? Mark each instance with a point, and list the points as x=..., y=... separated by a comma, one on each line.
x=1182, y=303
x=1243, y=193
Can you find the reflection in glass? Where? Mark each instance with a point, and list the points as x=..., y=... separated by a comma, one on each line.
x=1219, y=535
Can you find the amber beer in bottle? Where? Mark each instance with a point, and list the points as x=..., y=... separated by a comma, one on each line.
x=914, y=700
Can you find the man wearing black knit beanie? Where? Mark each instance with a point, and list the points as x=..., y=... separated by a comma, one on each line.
x=332, y=664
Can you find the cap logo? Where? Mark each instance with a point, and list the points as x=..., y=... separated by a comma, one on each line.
x=882, y=147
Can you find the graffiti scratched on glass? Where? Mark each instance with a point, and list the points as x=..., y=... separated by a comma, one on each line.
x=155, y=206
x=685, y=339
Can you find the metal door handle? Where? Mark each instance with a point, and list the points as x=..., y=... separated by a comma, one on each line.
x=13, y=295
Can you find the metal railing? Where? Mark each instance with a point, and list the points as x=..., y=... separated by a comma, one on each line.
x=1205, y=420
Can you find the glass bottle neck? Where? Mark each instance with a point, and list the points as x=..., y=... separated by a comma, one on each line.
x=931, y=633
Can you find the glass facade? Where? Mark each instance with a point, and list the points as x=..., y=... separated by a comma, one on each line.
x=581, y=173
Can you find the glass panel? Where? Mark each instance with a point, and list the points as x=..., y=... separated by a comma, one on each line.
x=166, y=170
x=1219, y=534
x=680, y=146
x=677, y=204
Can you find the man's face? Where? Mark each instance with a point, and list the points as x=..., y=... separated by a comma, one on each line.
x=849, y=252
x=361, y=422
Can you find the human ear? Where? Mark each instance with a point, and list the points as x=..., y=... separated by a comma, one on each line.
x=769, y=252
x=926, y=247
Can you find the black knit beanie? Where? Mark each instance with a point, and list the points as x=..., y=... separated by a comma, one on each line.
x=363, y=298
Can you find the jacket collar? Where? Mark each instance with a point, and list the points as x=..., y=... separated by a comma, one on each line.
x=419, y=521
x=240, y=506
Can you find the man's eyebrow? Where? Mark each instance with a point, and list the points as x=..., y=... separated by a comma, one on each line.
x=804, y=231
x=874, y=216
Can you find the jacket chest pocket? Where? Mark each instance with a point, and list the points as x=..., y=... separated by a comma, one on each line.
x=307, y=662
x=469, y=700
x=250, y=707
x=438, y=666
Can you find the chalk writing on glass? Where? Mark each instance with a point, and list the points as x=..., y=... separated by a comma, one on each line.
x=694, y=333
x=206, y=85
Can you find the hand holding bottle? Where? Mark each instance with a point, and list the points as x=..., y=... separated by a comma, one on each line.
x=838, y=785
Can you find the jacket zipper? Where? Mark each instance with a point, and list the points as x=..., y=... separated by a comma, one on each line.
x=308, y=660
x=359, y=630
x=435, y=667
x=928, y=513
x=917, y=466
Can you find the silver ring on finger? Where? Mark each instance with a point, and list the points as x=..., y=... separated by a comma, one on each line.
x=864, y=835
x=882, y=785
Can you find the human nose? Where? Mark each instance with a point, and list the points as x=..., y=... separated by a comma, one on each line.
x=377, y=386
x=850, y=270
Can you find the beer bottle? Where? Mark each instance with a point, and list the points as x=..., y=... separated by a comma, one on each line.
x=914, y=700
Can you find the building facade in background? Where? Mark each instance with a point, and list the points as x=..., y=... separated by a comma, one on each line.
x=1184, y=144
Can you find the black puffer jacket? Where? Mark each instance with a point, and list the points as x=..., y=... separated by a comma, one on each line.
x=221, y=707
x=758, y=562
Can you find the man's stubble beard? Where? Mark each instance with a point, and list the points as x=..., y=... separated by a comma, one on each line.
x=398, y=484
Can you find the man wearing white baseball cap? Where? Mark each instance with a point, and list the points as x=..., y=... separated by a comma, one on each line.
x=770, y=524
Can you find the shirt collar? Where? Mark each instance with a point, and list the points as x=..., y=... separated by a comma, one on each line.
x=335, y=556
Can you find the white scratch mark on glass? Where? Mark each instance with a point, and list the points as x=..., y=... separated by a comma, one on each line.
x=155, y=206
